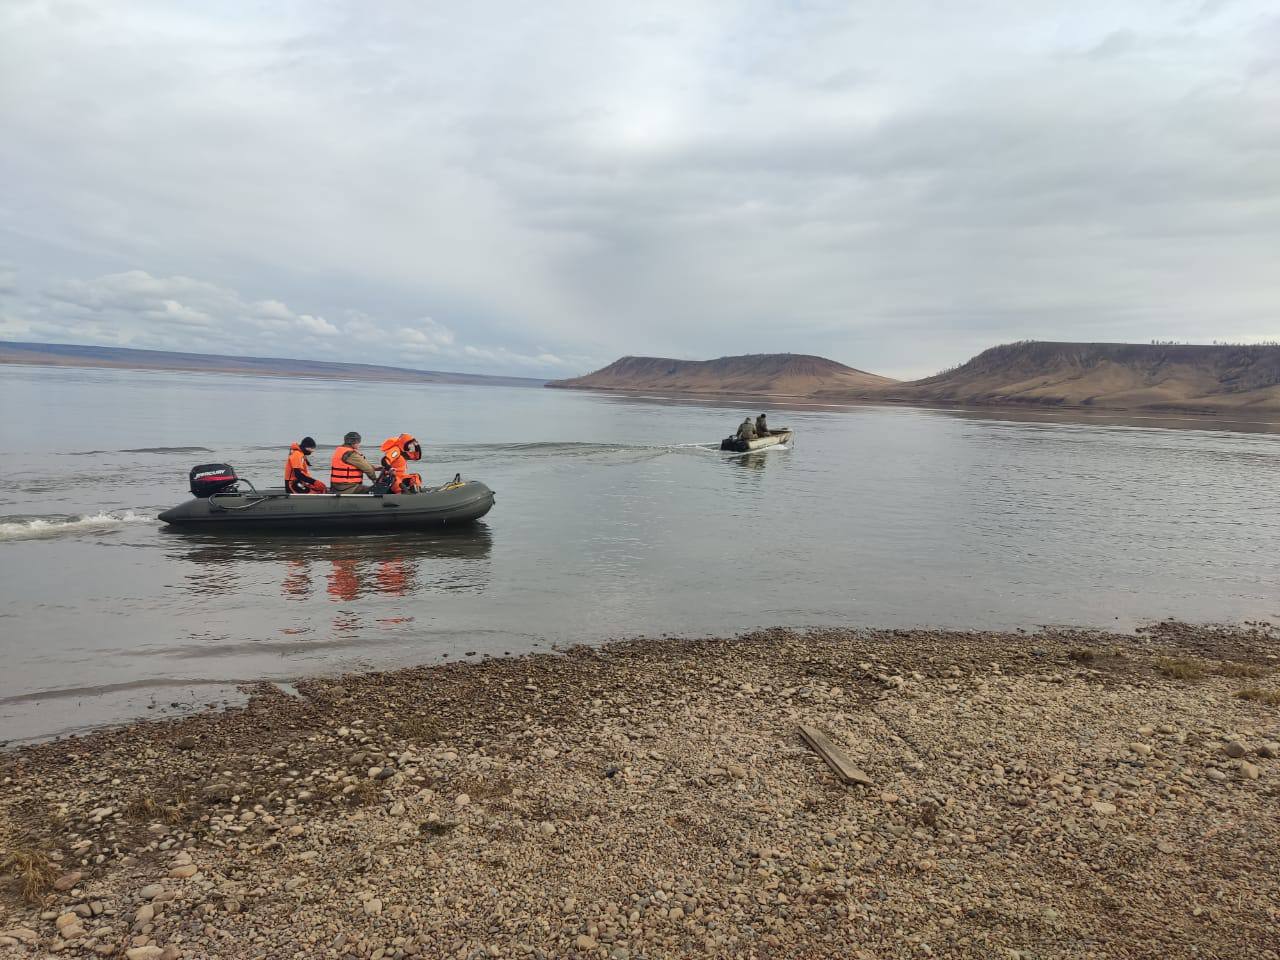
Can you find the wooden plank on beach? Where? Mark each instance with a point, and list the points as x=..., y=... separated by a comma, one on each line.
x=836, y=759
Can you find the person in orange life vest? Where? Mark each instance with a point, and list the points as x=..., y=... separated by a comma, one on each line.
x=297, y=469
x=349, y=466
x=396, y=451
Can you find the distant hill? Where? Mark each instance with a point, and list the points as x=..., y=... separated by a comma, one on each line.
x=77, y=355
x=778, y=374
x=1119, y=376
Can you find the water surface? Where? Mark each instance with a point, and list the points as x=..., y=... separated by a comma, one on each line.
x=616, y=516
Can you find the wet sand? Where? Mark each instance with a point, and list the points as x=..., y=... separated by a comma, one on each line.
x=1061, y=794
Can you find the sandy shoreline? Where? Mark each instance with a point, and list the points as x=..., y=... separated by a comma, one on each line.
x=1063, y=794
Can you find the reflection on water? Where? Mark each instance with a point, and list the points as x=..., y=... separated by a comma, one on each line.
x=753, y=459
x=335, y=587
x=340, y=568
x=468, y=543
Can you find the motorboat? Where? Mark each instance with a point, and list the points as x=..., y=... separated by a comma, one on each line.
x=774, y=438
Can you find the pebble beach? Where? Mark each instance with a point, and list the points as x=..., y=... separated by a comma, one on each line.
x=1031, y=795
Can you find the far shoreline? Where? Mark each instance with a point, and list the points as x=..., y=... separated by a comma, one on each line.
x=1047, y=410
x=1067, y=411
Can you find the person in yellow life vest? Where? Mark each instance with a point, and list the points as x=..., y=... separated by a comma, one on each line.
x=297, y=469
x=396, y=451
x=349, y=466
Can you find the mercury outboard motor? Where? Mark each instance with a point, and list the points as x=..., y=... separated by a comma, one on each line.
x=210, y=478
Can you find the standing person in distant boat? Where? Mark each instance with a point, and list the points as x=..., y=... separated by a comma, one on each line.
x=349, y=467
x=747, y=431
x=297, y=469
x=762, y=426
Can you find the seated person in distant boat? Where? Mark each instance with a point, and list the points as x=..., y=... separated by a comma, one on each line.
x=762, y=426
x=297, y=469
x=747, y=431
x=395, y=452
x=349, y=467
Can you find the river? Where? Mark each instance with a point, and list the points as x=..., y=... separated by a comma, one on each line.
x=616, y=516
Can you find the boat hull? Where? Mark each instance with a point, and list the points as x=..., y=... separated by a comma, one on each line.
x=737, y=445
x=448, y=506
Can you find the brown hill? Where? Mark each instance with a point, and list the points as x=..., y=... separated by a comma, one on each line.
x=1120, y=376
x=779, y=374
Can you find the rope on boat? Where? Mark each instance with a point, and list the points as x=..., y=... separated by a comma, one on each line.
x=262, y=498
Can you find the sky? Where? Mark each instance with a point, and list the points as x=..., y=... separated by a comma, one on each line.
x=537, y=189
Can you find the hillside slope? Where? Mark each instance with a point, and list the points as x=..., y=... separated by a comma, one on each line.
x=1120, y=376
x=782, y=374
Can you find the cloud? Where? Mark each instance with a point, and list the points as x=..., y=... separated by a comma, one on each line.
x=426, y=334
x=576, y=181
x=148, y=308
x=136, y=309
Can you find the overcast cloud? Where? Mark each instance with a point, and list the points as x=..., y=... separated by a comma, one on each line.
x=539, y=188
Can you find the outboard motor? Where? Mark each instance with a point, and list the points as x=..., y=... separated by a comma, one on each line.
x=210, y=478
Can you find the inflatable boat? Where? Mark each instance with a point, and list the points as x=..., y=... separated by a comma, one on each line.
x=774, y=438
x=218, y=501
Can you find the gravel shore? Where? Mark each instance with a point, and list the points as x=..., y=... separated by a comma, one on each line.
x=1058, y=794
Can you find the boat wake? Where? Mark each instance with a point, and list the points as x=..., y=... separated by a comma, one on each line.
x=47, y=528
x=557, y=448
x=167, y=450
x=87, y=453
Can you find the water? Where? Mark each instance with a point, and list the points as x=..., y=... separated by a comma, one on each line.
x=615, y=517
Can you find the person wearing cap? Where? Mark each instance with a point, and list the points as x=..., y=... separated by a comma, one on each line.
x=762, y=426
x=349, y=467
x=747, y=430
x=297, y=469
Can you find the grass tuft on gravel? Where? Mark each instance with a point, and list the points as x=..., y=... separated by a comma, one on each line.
x=31, y=867
x=169, y=803
x=1246, y=671
x=1180, y=668
x=482, y=788
x=422, y=729
x=1270, y=697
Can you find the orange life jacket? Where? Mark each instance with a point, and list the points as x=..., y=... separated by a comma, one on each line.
x=297, y=470
x=396, y=453
x=341, y=472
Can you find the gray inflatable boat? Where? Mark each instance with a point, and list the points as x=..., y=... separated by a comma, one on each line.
x=454, y=504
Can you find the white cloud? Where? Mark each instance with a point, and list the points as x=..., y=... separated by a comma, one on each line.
x=175, y=312
x=272, y=309
x=14, y=328
x=426, y=333
x=316, y=325
x=135, y=308
x=147, y=308
x=501, y=357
